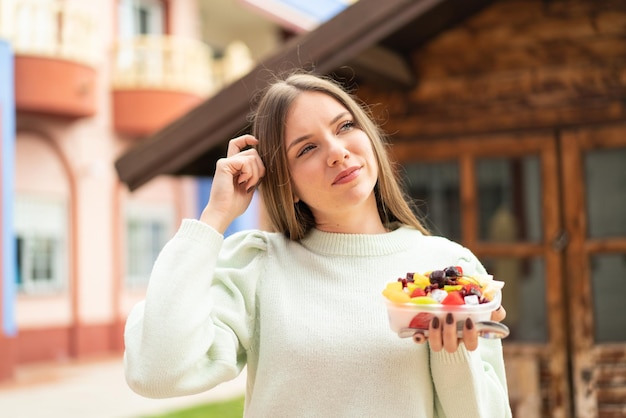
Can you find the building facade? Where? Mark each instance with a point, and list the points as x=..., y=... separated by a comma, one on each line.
x=81, y=82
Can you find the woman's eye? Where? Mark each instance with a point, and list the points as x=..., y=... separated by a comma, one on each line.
x=347, y=125
x=305, y=149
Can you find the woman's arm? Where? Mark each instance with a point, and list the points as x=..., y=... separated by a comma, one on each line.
x=192, y=331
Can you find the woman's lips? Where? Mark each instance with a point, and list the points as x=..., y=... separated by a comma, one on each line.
x=347, y=175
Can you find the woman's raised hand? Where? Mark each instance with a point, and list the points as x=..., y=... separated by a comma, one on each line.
x=234, y=182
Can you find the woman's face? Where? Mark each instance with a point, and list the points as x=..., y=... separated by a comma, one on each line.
x=332, y=164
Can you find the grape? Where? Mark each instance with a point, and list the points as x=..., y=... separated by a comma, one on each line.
x=452, y=271
x=437, y=277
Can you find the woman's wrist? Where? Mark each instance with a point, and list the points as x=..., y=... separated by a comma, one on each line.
x=215, y=220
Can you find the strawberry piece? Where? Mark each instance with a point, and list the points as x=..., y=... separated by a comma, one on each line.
x=472, y=289
x=459, y=269
x=421, y=320
x=418, y=291
x=453, y=298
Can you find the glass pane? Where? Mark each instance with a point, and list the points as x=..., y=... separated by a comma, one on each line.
x=605, y=180
x=42, y=259
x=435, y=187
x=523, y=296
x=146, y=237
x=608, y=275
x=19, y=262
x=509, y=199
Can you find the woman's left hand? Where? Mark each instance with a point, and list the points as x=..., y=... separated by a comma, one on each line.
x=443, y=334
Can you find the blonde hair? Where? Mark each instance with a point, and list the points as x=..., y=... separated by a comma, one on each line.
x=296, y=219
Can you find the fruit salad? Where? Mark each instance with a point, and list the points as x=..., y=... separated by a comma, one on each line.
x=412, y=301
x=447, y=287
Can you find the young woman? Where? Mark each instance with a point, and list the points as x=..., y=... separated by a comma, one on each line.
x=301, y=307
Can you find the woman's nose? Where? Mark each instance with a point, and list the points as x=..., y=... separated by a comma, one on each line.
x=337, y=153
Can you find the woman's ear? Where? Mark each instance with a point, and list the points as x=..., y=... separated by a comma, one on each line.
x=296, y=199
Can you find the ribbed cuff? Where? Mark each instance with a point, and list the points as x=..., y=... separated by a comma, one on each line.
x=460, y=356
x=195, y=230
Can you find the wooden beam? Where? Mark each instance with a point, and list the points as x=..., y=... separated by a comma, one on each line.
x=383, y=67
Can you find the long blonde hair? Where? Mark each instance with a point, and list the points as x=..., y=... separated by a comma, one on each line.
x=296, y=219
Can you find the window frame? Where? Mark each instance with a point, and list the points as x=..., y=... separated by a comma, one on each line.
x=41, y=217
x=146, y=215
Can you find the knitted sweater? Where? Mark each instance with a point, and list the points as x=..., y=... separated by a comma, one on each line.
x=308, y=320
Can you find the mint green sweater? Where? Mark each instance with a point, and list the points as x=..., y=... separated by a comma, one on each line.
x=308, y=320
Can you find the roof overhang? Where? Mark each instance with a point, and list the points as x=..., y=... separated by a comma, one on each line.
x=370, y=40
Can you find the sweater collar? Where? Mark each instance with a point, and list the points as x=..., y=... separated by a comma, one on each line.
x=340, y=244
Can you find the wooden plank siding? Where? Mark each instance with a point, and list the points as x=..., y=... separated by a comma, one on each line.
x=522, y=64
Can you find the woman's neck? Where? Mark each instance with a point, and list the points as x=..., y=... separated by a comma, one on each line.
x=353, y=222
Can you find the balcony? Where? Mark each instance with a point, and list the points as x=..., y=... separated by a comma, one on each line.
x=55, y=63
x=157, y=79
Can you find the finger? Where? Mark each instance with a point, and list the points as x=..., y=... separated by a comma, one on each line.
x=247, y=168
x=419, y=338
x=236, y=145
x=260, y=166
x=450, y=338
x=259, y=170
x=499, y=314
x=434, y=334
x=247, y=172
x=238, y=167
x=470, y=335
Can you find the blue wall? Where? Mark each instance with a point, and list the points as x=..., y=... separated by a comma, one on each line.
x=7, y=167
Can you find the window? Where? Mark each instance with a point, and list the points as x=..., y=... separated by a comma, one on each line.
x=41, y=244
x=141, y=17
x=148, y=227
x=435, y=188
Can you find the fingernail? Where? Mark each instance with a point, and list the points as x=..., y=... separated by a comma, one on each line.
x=435, y=323
x=469, y=324
x=449, y=319
x=499, y=307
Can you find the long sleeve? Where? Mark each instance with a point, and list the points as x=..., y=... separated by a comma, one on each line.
x=194, y=328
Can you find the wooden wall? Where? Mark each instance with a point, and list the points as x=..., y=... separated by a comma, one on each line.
x=518, y=64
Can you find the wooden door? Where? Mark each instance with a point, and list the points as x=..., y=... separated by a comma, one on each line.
x=594, y=193
x=500, y=196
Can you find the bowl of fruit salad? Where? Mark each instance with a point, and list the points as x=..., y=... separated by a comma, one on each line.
x=414, y=300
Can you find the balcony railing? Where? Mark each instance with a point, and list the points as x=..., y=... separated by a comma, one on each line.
x=55, y=56
x=158, y=78
x=163, y=63
x=49, y=28
x=174, y=63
